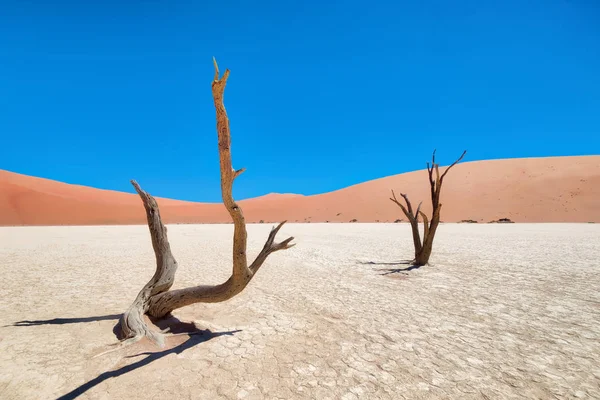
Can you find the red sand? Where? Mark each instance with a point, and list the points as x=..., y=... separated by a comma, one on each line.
x=553, y=189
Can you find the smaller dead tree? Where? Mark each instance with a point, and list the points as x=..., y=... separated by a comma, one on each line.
x=423, y=248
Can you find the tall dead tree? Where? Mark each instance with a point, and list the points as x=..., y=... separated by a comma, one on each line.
x=423, y=248
x=155, y=298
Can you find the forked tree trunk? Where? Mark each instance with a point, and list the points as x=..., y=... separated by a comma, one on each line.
x=424, y=248
x=155, y=298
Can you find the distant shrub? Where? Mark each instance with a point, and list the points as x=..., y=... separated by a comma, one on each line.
x=501, y=221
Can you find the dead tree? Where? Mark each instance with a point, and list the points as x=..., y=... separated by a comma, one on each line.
x=423, y=248
x=155, y=298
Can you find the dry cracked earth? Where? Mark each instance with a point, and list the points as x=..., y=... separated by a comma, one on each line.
x=504, y=312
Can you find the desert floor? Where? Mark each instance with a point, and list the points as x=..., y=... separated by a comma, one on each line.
x=504, y=311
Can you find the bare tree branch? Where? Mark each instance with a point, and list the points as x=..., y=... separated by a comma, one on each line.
x=430, y=172
x=425, y=226
x=410, y=209
x=240, y=262
x=418, y=211
x=404, y=210
x=271, y=247
x=132, y=323
x=238, y=172
x=453, y=164
x=414, y=223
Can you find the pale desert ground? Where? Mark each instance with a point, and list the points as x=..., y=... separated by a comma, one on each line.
x=503, y=312
x=547, y=189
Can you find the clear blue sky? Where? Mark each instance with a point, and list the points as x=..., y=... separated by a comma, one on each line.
x=322, y=94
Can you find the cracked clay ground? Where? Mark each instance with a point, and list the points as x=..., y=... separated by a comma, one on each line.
x=505, y=312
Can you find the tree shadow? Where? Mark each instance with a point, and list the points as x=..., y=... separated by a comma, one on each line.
x=64, y=321
x=175, y=326
x=192, y=341
x=170, y=322
x=388, y=271
x=402, y=262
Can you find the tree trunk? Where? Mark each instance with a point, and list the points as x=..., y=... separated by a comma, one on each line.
x=155, y=299
x=423, y=249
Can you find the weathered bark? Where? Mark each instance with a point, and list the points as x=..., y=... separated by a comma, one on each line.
x=155, y=299
x=424, y=248
x=132, y=321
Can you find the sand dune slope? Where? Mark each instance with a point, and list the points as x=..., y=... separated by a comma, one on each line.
x=553, y=189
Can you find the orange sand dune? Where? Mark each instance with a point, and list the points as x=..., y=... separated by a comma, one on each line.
x=553, y=189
